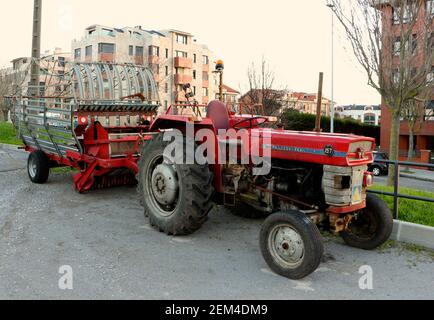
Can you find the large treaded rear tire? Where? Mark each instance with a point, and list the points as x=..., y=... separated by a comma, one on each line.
x=308, y=235
x=194, y=200
x=38, y=167
x=373, y=227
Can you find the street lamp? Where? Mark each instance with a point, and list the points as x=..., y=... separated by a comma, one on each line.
x=332, y=114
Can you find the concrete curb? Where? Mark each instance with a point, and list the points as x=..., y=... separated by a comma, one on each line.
x=413, y=233
x=5, y=146
x=410, y=176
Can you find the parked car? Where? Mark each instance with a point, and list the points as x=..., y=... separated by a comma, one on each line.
x=379, y=168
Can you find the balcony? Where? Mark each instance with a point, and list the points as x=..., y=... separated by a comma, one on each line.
x=138, y=60
x=205, y=83
x=181, y=62
x=205, y=100
x=106, y=57
x=205, y=68
x=183, y=79
x=153, y=59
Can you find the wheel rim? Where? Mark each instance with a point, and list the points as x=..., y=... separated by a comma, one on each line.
x=376, y=171
x=286, y=246
x=32, y=166
x=162, y=185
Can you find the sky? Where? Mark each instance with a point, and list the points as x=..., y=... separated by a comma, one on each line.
x=293, y=35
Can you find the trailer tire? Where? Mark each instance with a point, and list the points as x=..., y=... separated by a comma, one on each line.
x=38, y=167
x=379, y=222
x=291, y=244
x=179, y=212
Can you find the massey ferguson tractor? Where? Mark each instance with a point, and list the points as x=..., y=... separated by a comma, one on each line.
x=107, y=128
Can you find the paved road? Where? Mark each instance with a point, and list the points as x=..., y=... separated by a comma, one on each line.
x=408, y=183
x=114, y=253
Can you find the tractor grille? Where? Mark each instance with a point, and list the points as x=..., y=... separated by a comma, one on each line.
x=343, y=186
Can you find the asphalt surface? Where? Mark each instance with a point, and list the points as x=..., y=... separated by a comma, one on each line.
x=408, y=183
x=115, y=254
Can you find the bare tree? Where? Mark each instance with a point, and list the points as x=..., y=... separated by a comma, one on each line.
x=261, y=82
x=396, y=58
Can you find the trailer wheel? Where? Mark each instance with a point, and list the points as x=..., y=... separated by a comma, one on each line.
x=373, y=225
x=38, y=167
x=176, y=196
x=291, y=244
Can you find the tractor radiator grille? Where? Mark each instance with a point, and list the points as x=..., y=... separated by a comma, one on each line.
x=343, y=186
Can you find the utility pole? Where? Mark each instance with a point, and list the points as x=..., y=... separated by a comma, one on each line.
x=332, y=106
x=319, y=103
x=36, y=47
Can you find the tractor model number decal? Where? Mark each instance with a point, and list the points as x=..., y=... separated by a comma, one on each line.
x=329, y=152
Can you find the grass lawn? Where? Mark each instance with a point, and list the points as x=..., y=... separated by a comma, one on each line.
x=8, y=135
x=410, y=210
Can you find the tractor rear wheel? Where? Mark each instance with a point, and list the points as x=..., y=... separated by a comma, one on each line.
x=291, y=244
x=177, y=197
x=38, y=167
x=372, y=227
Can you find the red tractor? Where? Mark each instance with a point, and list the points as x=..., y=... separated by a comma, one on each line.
x=314, y=180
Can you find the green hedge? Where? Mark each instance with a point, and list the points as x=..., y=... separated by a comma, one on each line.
x=293, y=120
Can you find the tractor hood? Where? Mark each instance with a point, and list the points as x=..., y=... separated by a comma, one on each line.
x=321, y=148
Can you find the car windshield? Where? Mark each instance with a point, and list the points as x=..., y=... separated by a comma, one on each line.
x=381, y=156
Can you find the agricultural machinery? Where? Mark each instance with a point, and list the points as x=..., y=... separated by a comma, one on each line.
x=105, y=125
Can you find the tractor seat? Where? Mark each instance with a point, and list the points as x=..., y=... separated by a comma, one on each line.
x=218, y=113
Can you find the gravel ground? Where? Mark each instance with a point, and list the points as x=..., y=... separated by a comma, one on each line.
x=115, y=254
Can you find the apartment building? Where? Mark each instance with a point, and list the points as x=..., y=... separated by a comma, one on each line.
x=424, y=136
x=53, y=65
x=362, y=113
x=306, y=102
x=174, y=57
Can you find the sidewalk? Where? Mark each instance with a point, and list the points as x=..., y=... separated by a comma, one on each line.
x=418, y=174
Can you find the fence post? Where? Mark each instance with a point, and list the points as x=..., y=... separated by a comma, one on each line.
x=396, y=191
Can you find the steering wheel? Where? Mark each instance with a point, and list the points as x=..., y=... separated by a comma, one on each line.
x=250, y=120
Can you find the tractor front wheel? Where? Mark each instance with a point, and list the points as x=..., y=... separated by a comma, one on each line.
x=177, y=197
x=38, y=167
x=291, y=244
x=372, y=226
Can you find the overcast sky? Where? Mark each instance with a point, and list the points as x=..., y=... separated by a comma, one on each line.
x=294, y=35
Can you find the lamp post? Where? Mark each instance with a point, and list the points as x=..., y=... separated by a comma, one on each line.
x=36, y=47
x=332, y=105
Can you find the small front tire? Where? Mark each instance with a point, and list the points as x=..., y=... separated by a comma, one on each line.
x=291, y=244
x=372, y=227
x=38, y=167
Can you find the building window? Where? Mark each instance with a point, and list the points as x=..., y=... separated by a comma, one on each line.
x=77, y=54
x=107, y=32
x=195, y=58
x=167, y=53
x=194, y=74
x=430, y=7
x=89, y=51
x=397, y=47
x=61, y=61
x=205, y=92
x=166, y=104
x=154, y=51
x=106, y=48
x=181, y=54
x=166, y=87
x=167, y=71
x=194, y=90
x=139, y=51
x=183, y=39
x=414, y=44
x=205, y=76
x=131, y=50
x=205, y=60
